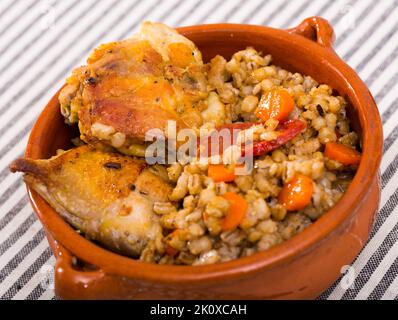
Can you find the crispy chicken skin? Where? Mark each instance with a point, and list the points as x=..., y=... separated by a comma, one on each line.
x=131, y=86
x=108, y=196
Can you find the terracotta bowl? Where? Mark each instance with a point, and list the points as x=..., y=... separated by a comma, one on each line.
x=301, y=267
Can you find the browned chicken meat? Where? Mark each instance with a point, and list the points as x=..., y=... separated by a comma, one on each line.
x=131, y=86
x=108, y=196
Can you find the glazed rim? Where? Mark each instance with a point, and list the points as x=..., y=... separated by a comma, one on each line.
x=115, y=264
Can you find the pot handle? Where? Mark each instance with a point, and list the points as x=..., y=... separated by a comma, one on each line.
x=316, y=29
x=71, y=282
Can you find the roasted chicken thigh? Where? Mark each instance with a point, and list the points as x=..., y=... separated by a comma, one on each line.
x=107, y=196
x=129, y=87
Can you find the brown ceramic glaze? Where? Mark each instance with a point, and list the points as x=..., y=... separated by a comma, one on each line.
x=301, y=267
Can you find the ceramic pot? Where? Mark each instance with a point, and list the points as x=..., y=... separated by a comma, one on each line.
x=301, y=267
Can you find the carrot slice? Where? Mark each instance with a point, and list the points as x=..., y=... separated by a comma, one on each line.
x=220, y=173
x=236, y=212
x=275, y=104
x=341, y=153
x=296, y=194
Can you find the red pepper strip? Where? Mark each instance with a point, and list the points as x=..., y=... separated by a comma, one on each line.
x=287, y=131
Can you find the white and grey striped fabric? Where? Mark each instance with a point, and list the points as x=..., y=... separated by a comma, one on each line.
x=41, y=41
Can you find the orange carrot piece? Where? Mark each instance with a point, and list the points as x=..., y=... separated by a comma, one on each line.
x=220, y=173
x=341, y=153
x=275, y=104
x=296, y=194
x=236, y=212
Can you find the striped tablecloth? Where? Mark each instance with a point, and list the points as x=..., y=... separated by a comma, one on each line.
x=41, y=41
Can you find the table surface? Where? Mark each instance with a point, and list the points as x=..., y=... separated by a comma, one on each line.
x=41, y=42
